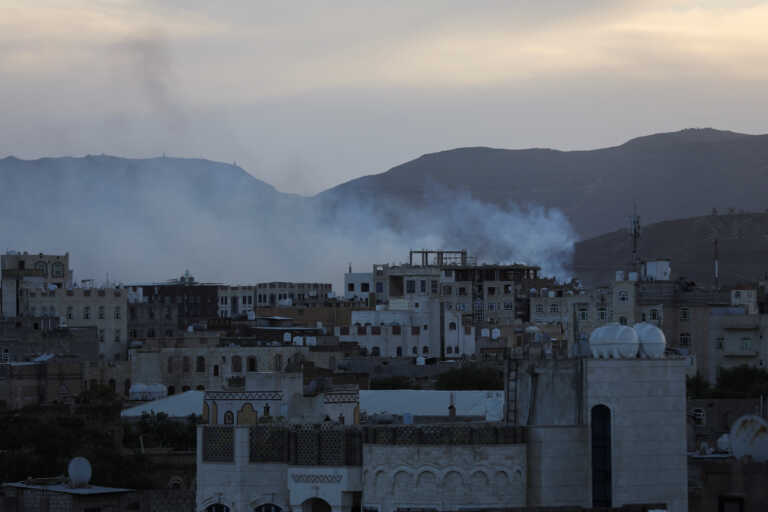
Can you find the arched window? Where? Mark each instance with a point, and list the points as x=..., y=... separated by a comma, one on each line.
x=200, y=364
x=252, y=366
x=452, y=326
x=229, y=418
x=601, y=456
x=267, y=507
x=215, y=370
x=185, y=365
x=237, y=364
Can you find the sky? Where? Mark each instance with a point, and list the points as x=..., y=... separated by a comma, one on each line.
x=306, y=95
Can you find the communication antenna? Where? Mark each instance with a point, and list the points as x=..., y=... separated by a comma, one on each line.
x=717, y=266
x=635, y=230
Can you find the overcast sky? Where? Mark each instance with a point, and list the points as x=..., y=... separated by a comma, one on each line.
x=305, y=95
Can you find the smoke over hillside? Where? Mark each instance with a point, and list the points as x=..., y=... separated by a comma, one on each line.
x=142, y=220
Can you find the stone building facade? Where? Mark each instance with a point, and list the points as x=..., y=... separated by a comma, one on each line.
x=103, y=308
x=19, y=271
x=313, y=468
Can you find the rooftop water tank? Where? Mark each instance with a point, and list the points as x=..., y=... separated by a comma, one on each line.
x=652, y=341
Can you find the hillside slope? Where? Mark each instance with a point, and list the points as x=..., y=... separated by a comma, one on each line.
x=689, y=243
x=671, y=175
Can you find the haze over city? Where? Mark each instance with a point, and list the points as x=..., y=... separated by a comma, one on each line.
x=356, y=256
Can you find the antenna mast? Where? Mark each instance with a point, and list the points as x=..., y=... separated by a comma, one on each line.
x=717, y=266
x=635, y=237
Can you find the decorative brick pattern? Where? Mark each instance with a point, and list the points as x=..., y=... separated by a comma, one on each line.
x=268, y=444
x=218, y=444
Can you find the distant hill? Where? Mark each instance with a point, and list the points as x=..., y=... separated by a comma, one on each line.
x=670, y=175
x=689, y=243
x=153, y=218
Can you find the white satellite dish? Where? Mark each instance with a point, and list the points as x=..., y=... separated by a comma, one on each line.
x=80, y=472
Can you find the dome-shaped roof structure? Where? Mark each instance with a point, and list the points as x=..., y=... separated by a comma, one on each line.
x=614, y=340
x=653, y=343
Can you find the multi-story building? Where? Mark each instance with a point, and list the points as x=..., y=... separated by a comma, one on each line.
x=442, y=299
x=287, y=294
x=579, y=432
x=411, y=329
x=236, y=301
x=194, y=302
x=103, y=308
x=24, y=270
x=187, y=363
x=358, y=286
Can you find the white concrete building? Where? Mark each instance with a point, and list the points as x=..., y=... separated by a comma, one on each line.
x=236, y=301
x=358, y=286
x=411, y=328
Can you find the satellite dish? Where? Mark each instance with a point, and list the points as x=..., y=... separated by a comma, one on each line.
x=79, y=470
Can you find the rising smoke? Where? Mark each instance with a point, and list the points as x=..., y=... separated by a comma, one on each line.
x=147, y=220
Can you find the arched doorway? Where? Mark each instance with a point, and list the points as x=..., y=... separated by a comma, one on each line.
x=601, y=456
x=267, y=507
x=315, y=505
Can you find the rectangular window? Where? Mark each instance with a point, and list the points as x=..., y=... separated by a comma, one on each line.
x=415, y=330
x=101, y=335
x=491, y=290
x=433, y=287
x=720, y=343
x=685, y=339
x=101, y=312
x=117, y=335
x=423, y=286
x=410, y=286
x=86, y=313
x=654, y=314
x=462, y=291
x=396, y=330
x=539, y=308
x=554, y=307
x=447, y=290
x=351, y=287
x=491, y=306
x=69, y=312
x=746, y=344
x=684, y=314
x=583, y=315
x=602, y=314
x=461, y=307
x=365, y=287
x=117, y=313
x=379, y=287
x=509, y=306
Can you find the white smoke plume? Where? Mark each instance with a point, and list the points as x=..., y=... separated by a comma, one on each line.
x=149, y=220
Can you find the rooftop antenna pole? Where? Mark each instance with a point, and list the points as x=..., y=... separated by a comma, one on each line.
x=635, y=237
x=717, y=266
